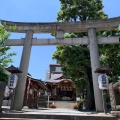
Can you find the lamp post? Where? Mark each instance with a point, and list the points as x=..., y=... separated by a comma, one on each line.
x=48, y=99
x=104, y=101
x=103, y=83
x=12, y=81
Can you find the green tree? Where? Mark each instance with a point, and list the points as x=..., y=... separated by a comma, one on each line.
x=111, y=55
x=5, y=56
x=3, y=75
x=76, y=59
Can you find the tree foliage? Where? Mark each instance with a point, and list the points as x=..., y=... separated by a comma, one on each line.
x=79, y=10
x=76, y=59
x=111, y=55
x=74, y=63
x=5, y=56
x=3, y=75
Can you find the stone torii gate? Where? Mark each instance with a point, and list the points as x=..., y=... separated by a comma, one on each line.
x=60, y=28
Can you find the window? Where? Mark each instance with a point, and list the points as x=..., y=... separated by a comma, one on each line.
x=58, y=69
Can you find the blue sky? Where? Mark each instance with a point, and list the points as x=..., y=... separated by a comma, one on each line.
x=40, y=11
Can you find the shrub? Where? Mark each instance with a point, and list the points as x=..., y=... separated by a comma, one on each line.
x=3, y=75
x=80, y=103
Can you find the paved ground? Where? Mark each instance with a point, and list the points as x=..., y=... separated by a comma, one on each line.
x=55, y=113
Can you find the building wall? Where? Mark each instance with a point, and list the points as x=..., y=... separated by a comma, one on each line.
x=55, y=68
x=47, y=74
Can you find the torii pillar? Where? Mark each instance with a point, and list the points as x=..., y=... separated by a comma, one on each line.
x=95, y=63
x=19, y=91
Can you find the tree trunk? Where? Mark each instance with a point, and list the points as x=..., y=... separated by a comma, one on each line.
x=90, y=95
x=2, y=90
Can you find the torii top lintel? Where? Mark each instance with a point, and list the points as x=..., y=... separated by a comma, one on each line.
x=50, y=27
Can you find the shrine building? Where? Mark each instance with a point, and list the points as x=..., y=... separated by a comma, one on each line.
x=61, y=88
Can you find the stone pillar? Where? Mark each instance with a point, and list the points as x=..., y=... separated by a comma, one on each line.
x=60, y=35
x=94, y=55
x=20, y=88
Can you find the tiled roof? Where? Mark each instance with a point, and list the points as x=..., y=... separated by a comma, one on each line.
x=13, y=69
x=55, y=65
x=55, y=76
x=57, y=81
x=42, y=84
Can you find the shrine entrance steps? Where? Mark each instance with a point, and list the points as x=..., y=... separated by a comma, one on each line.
x=53, y=114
